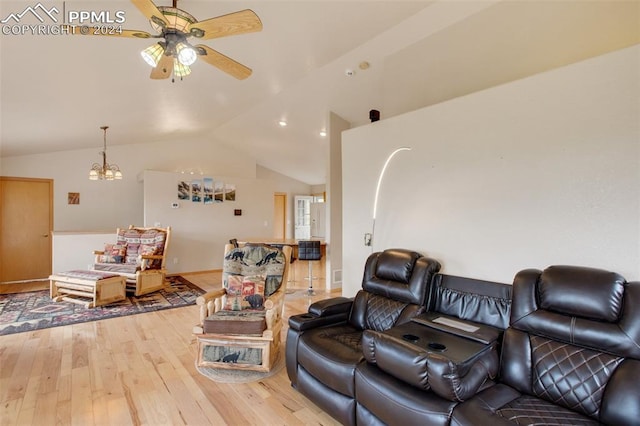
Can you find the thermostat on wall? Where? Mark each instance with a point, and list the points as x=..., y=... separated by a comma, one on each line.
x=175, y=205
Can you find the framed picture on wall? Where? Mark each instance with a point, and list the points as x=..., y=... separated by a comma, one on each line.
x=229, y=192
x=196, y=191
x=73, y=198
x=218, y=192
x=207, y=190
x=183, y=190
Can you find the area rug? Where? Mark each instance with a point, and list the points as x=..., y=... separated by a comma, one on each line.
x=34, y=310
x=222, y=375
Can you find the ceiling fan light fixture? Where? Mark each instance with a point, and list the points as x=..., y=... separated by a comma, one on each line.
x=178, y=19
x=174, y=27
x=186, y=54
x=152, y=54
x=179, y=69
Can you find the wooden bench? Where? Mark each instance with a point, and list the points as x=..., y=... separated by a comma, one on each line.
x=88, y=288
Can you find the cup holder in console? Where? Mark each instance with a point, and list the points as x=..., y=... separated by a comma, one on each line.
x=436, y=346
x=410, y=337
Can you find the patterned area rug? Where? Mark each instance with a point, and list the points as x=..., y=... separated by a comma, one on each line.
x=35, y=310
x=223, y=375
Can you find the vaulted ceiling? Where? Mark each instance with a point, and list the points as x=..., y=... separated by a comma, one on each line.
x=57, y=90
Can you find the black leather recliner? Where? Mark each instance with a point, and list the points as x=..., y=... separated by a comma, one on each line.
x=324, y=345
x=395, y=393
x=570, y=356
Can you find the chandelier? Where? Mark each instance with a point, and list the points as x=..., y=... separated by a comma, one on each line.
x=105, y=171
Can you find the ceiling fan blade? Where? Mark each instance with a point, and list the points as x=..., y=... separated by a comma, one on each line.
x=103, y=31
x=224, y=63
x=163, y=69
x=151, y=11
x=242, y=22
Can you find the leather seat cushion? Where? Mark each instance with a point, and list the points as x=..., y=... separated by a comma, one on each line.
x=503, y=405
x=331, y=355
x=393, y=402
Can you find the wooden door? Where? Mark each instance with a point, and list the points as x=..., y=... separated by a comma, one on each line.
x=279, y=215
x=26, y=222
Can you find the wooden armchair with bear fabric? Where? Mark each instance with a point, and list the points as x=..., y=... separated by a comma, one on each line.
x=240, y=324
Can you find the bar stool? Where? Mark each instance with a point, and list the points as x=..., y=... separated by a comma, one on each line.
x=309, y=250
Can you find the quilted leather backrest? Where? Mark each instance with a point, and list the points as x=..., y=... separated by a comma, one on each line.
x=584, y=306
x=394, y=289
x=574, y=339
x=399, y=274
x=571, y=376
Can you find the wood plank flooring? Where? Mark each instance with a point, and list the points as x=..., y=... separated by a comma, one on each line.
x=139, y=370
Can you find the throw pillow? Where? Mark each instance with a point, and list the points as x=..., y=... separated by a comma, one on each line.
x=153, y=238
x=148, y=249
x=131, y=237
x=113, y=253
x=243, y=293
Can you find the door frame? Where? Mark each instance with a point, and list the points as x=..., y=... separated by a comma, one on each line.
x=50, y=227
x=284, y=211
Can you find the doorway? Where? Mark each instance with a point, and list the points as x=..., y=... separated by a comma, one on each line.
x=26, y=222
x=280, y=215
x=302, y=211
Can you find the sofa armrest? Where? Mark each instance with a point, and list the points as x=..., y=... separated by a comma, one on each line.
x=322, y=313
x=333, y=306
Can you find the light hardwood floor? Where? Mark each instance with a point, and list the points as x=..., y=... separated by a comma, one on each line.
x=139, y=370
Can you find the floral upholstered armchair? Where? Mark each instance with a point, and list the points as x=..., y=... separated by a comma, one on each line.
x=139, y=255
x=240, y=324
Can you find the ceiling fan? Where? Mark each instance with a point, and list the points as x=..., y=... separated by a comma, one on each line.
x=174, y=53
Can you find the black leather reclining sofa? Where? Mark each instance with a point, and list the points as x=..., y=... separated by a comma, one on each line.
x=559, y=346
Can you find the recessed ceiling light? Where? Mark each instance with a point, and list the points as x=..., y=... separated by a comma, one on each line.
x=282, y=123
x=323, y=133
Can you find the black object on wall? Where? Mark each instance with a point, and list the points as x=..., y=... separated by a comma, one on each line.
x=374, y=115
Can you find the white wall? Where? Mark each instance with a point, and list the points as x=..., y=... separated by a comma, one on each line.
x=541, y=171
x=289, y=186
x=74, y=250
x=108, y=205
x=198, y=231
x=334, y=201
